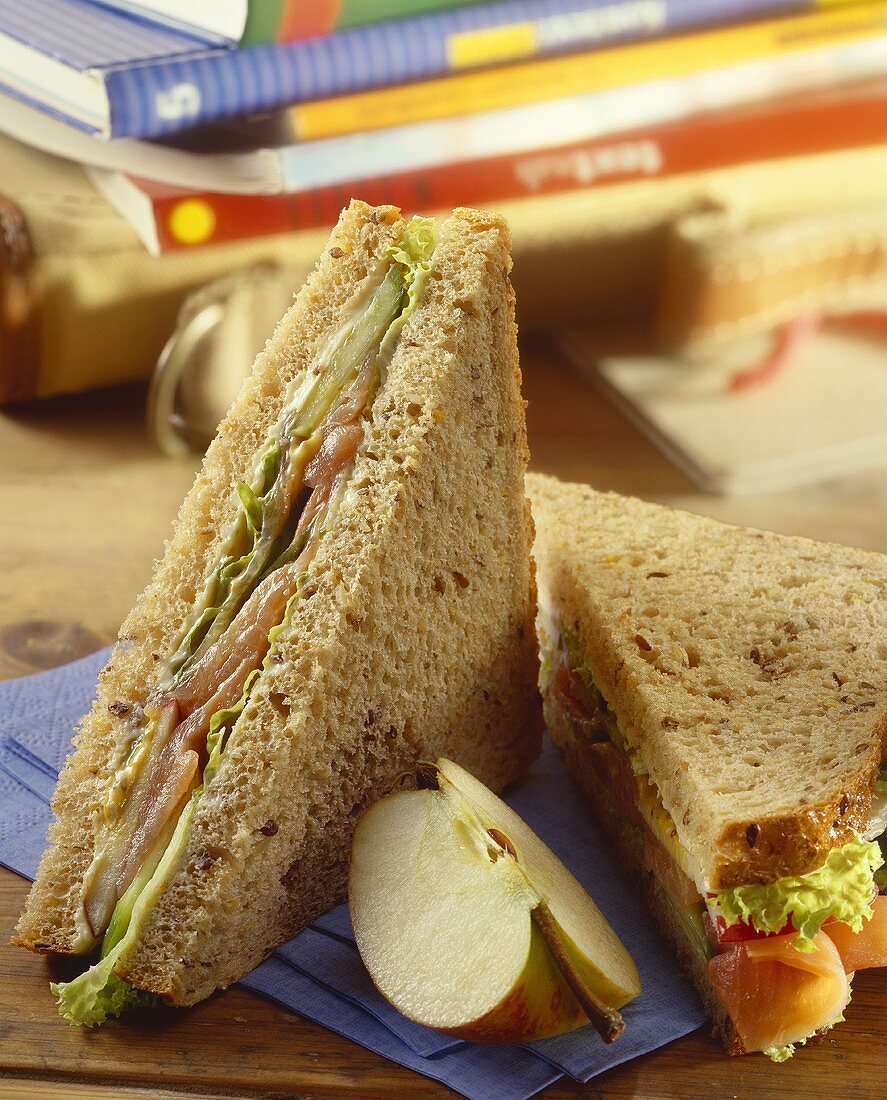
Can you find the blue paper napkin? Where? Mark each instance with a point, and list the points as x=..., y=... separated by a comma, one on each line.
x=319, y=974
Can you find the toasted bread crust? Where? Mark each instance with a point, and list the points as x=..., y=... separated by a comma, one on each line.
x=745, y=668
x=386, y=660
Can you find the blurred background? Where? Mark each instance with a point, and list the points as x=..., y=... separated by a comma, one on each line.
x=697, y=191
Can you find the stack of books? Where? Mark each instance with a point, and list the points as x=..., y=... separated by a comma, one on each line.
x=206, y=121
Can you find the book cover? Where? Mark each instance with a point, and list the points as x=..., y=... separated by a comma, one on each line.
x=218, y=22
x=170, y=219
x=258, y=22
x=113, y=74
x=293, y=20
x=271, y=163
x=585, y=72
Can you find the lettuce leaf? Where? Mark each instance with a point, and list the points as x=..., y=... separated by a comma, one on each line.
x=245, y=538
x=98, y=992
x=97, y=995
x=379, y=325
x=780, y=1054
x=842, y=888
x=412, y=254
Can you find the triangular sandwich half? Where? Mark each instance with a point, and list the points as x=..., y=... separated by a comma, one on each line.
x=719, y=693
x=347, y=589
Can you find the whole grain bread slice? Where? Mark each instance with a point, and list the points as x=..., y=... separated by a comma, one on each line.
x=415, y=637
x=629, y=844
x=746, y=669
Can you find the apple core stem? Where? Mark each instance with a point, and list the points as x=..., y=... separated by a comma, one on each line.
x=607, y=1020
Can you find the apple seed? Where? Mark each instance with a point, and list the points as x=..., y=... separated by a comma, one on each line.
x=503, y=842
x=427, y=777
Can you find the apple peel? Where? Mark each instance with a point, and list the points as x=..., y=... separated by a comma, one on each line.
x=468, y=923
x=607, y=1021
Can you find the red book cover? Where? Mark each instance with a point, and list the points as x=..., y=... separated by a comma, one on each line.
x=783, y=128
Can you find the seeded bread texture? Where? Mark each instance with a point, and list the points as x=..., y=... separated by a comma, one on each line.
x=747, y=670
x=148, y=632
x=629, y=844
x=414, y=638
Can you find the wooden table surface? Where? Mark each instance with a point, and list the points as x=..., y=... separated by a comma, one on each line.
x=85, y=504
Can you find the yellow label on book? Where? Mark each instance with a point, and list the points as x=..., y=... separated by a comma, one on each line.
x=592, y=71
x=192, y=221
x=493, y=44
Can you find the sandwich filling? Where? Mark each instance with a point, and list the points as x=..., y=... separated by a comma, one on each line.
x=779, y=956
x=178, y=734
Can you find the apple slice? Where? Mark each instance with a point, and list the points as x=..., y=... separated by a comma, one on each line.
x=468, y=923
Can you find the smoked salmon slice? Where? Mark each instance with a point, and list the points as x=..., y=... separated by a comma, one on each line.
x=775, y=994
x=182, y=715
x=867, y=948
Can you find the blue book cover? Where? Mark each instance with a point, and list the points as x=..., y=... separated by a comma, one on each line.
x=111, y=73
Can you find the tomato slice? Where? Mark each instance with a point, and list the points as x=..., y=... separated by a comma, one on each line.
x=777, y=995
x=742, y=931
x=867, y=948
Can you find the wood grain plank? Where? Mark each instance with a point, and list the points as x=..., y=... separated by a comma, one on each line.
x=240, y=1042
x=14, y=1088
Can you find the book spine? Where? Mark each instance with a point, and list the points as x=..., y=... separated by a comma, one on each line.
x=585, y=73
x=578, y=118
x=293, y=20
x=784, y=129
x=191, y=219
x=160, y=97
